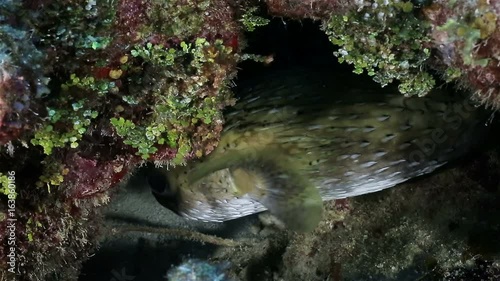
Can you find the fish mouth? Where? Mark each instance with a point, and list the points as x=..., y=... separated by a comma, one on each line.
x=163, y=191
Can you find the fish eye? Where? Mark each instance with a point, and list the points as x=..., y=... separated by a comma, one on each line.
x=163, y=191
x=159, y=184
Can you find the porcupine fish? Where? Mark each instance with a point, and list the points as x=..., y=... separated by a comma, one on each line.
x=298, y=138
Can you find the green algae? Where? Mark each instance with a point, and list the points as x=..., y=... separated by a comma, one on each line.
x=251, y=21
x=386, y=41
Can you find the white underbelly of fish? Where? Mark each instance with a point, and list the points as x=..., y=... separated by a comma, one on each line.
x=329, y=189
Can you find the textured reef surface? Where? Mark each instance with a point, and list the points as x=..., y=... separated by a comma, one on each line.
x=91, y=90
x=88, y=91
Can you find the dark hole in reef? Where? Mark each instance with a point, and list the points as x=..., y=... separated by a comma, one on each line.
x=291, y=43
x=263, y=268
x=452, y=226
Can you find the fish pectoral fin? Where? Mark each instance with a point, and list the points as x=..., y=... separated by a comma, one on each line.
x=289, y=196
x=269, y=176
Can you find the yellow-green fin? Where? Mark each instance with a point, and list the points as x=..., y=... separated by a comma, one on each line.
x=269, y=176
x=277, y=185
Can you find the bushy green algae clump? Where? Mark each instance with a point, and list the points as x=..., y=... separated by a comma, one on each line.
x=385, y=40
x=184, y=98
x=91, y=89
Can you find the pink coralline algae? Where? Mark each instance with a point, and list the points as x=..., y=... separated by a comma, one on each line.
x=87, y=177
x=89, y=90
x=466, y=38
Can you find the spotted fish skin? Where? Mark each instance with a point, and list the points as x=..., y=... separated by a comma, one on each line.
x=298, y=138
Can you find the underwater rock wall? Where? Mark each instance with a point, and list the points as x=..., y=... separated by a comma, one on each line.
x=88, y=91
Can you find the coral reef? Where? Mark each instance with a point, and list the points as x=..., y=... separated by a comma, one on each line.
x=408, y=40
x=91, y=89
x=296, y=9
x=88, y=91
x=465, y=37
x=22, y=81
x=386, y=41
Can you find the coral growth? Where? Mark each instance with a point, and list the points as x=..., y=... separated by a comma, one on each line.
x=404, y=40
x=297, y=9
x=22, y=82
x=91, y=89
x=466, y=38
x=385, y=40
x=382, y=38
x=88, y=91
